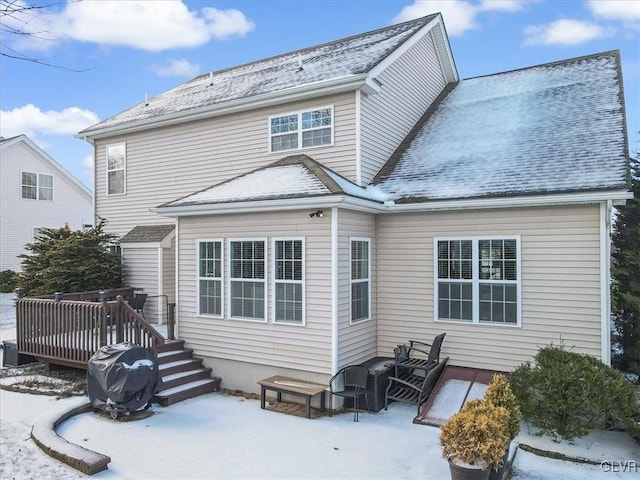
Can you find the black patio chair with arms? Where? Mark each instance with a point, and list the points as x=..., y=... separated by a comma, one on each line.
x=406, y=363
x=137, y=302
x=350, y=382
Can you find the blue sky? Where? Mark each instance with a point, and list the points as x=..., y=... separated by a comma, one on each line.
x=114, y=52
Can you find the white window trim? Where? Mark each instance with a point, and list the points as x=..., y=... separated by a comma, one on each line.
x=37, y=186
x=351, y=281
x=476, y=281
x=198, y=277
x=264, y=280
x=124, y=168
x=300, y=130
x=302, y=282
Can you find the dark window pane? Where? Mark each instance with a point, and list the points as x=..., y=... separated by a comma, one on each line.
x=510, y=294
x=497, y=293
x=485, y=311
x=485, y=291
x=455, y=310
x=511, y=313
x=467, y=291
x=467, y=310
x=443, y=309
x=443, y=290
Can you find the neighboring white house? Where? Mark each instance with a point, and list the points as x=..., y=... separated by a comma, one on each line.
x=357, y=194
x=35, y=192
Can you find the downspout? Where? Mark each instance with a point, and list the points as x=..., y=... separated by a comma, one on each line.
x=358, y=138
x=334, y=290
x=605, y=280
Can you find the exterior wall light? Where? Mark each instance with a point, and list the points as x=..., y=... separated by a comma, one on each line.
x=317, y=213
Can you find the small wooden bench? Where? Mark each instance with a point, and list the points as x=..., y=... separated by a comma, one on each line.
x=292, y=386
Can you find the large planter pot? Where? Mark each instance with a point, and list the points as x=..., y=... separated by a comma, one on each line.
x=458, y=472
x=499, y=475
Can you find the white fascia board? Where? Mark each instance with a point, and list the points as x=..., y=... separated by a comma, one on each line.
x=324, y=201
x=501, y=202
x=309, y=90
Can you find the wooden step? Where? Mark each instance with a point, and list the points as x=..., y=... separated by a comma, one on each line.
x=179, y=366
x=180, y=378
x=188, y=390
x=174, y=355
x=171, y=345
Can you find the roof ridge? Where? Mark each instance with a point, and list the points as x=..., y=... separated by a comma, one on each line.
x=314, y=47
x=615, y=52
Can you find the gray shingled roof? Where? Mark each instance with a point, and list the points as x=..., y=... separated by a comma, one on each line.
x=295, y=176
x=338, y=59
x=552, y=128
x=147, y=233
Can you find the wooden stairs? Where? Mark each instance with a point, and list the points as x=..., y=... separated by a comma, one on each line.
x=182, y=375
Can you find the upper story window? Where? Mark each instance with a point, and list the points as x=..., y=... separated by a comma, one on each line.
x=116, y=169
x=304, y=129
x=360, y=279
x=247, y=274
x=37, y=186
x=288, y=266
x=478, y=280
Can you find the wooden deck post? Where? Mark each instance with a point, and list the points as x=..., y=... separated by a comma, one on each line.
x=119, y=322
x=104, y=318
x=171, y=320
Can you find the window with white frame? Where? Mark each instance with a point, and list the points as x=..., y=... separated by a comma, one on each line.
x=360, y=254
x=37, y=186
x=304, y=129
x=477, y=280
x=116, y=169
x=288, y=268
x=210, y=277
x=247, y=269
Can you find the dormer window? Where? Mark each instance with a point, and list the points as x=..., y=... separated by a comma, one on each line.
x=303, y=129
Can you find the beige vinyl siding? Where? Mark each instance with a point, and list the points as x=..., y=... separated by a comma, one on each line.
x=409, y=86
x=165, y=164
x=303, y=348
x=560, y=250
x=168, y=278
x=356, y=342
x=141, y=271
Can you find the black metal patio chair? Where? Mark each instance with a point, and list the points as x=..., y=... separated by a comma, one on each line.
x=350, y=382
x=406, y=361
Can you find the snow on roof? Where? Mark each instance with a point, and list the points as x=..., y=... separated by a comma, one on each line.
x=296, y=176
x=557, y=127
x=334, y=60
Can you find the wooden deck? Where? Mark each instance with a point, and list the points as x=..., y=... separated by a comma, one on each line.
x=68, y=332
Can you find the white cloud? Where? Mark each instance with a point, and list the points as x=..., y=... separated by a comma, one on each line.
x=624, y=10
x=459, y=15
x=152, y=25
x=30, y=120
x=178, y=67
x=565, y=32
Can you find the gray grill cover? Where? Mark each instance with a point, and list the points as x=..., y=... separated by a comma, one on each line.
x=122, y=377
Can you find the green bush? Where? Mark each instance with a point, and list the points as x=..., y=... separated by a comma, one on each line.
x=566, y=394
x=8, y=281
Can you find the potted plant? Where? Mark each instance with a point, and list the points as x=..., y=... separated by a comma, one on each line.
x=500, y=394
x=473, y=440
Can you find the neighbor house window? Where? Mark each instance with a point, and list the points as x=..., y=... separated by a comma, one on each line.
x=37, y=186
x=304, y=129
x=247, y=269
x=360, y=254
x=116, y=169
x=210, y=277
x=288, y=267
x=477, y=280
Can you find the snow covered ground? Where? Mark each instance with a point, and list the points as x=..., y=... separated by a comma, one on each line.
x=223, y=436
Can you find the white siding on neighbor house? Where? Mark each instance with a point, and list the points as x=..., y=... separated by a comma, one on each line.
x=278, y=346
x=560, y=248
x=409, y=86
x=141, y=271
x=356, y=342
x=165, y=164
x=19, y=216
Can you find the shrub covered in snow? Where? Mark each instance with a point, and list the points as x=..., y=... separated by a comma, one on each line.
x=566, y=393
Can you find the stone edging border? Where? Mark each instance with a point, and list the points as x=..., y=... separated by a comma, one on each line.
x=44, y=435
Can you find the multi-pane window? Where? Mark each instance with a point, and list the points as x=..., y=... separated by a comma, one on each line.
x=477, y=280
x=310, y=128
x=210, y=277
x=247, y=262
x=288, y=281
x=116, y=169
x=37, y=186
x=360, y=281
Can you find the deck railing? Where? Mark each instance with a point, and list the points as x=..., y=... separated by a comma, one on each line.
x=69, y=332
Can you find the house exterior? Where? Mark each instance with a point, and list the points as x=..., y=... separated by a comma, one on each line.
x=315, y=209
x=35, y=192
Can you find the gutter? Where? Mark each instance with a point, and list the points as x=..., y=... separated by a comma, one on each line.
x=309, y=90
